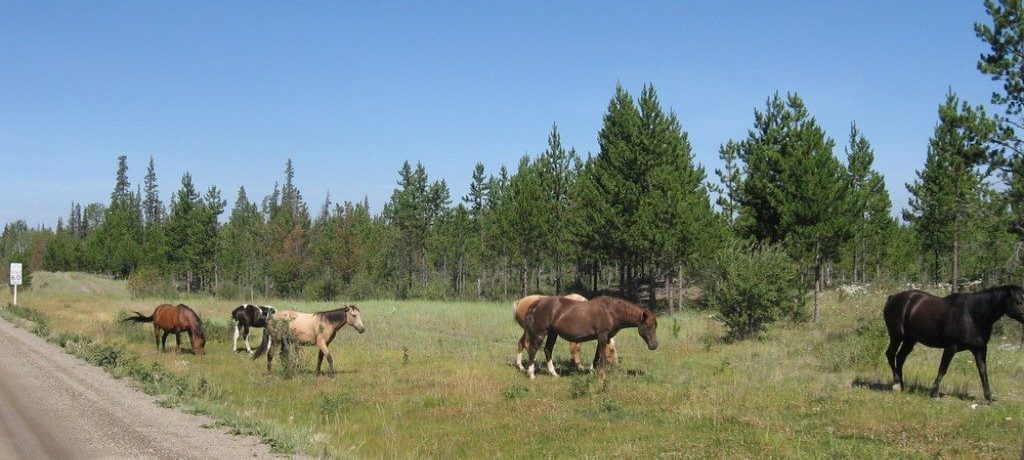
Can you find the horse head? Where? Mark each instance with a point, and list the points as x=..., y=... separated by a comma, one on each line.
x=353, y=317
x=1015, y=307
x=268, y=311
x=648, y=329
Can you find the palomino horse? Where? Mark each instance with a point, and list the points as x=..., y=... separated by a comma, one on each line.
x=597, y=319
x=311, y=329
x=174, y=319
x=249, y=316
x=954, y=323
x=519, y=311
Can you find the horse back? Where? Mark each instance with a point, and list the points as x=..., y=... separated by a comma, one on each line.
x=922, y=317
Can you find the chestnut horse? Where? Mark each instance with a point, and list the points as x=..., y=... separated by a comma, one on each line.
x=310, y=329
x=174, y=319
x=597, y=319
x=524, y=305
x=954, y=323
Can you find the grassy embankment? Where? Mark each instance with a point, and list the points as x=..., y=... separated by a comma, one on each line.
x=435, y=379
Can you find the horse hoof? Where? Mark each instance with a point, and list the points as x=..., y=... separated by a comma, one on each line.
x=897, y=388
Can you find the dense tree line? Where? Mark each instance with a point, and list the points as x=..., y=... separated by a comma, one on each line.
x=638, y=217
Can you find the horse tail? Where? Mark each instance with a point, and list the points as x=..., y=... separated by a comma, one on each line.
x=138, y=318
x=264, y=345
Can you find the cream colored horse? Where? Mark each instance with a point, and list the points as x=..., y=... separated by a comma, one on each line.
x=524, y=305
x=316, y=329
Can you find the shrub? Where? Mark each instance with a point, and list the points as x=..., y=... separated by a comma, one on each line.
x=752, y=286
x=363, y=287
x=148, y=283
x=320, y=289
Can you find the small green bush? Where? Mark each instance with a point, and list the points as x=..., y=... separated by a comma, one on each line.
x=149, y=283
x=752, y=286
x=321, y=289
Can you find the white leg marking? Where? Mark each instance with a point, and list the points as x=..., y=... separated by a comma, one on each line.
x=247, y=347
x=519, y=361
x=897, y=388
x=551, y=368
x=530, y=371
x=234, y=344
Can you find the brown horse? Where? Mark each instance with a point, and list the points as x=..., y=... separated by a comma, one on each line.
x=310, y=329
x=519, y=311
x=174, y=319
x=597, y=319
x=954, y=323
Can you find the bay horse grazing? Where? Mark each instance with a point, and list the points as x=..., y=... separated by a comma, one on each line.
x=955, y=323
x=524, y=305
x=249, y=316
x=597, y=319
x=174, y=319
x=316, y=329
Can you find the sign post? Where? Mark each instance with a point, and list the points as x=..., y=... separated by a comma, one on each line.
x=15, y=280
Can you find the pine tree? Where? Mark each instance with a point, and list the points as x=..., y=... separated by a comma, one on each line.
x=242, y=254
x=184, y=227
x=870, y=206
x=557, y=169
x=949, y=187
x=477, y=201
x=643, y=202
x=116, y=245
x=794, y=189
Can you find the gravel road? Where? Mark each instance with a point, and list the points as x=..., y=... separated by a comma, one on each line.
x=53, y=405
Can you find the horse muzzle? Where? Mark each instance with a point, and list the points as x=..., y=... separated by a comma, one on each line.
x=652, y=346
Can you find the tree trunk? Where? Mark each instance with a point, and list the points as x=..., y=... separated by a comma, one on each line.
x=817, y=280
x=652, y=288
x=956, y=263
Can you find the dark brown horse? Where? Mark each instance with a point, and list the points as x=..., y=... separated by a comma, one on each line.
x=174, y=319
x=954, y=323
x=597, y=319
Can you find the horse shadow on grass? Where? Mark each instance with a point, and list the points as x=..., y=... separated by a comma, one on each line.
x=914, y=386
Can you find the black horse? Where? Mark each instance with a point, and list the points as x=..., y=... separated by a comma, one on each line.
x=249, y=316
x=954, y=323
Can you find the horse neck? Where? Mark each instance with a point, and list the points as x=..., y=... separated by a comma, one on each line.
x=628, y=315
x=988, y=311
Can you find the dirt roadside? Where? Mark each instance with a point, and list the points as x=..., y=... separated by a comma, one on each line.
x=53, y=405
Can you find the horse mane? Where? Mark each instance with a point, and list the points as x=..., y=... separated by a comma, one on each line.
x=199, y=323
x=338, y=315
x=996, y=295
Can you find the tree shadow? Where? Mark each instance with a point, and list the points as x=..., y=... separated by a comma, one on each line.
x=914, y=386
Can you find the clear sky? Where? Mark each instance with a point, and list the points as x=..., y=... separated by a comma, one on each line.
x=349, y=90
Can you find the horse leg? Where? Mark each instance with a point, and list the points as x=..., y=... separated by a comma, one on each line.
x=190, y=342
x=245, y=334
x=534, y=344
x=519, y=351
x=234, y=343
x=326, y=352
x=980, y=358
x=549, y=348
x=901, y=357
x=177, y=341
x=890, y=355
x=163, y=343
x=947, y=356
x=576, y=354
x=319, y=360
x=156, y=337
x=270, y=358
x=600, y=356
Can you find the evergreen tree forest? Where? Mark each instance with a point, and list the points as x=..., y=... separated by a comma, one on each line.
x=638, y=218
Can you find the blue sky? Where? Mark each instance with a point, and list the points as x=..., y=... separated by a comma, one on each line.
x=349, y=90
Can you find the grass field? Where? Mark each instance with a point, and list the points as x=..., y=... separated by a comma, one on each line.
x=434, y=379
